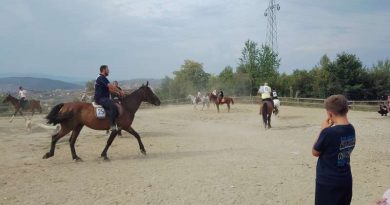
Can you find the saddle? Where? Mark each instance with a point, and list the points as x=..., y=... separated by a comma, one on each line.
x=24, y=103
x=101, y=113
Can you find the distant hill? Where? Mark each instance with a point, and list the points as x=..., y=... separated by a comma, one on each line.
x=11, y=84
x=135, y=83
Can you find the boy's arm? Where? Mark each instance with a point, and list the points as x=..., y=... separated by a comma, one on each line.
x=318, y=144
x=314, y=152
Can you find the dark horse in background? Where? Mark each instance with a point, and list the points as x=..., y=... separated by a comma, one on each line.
x=30, y=105
x=74, y=116
x=224, y=100
x=266, y=109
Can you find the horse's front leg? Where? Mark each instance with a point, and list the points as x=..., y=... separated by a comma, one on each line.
x=13, y=116
x=109, y=142
x=138, y=137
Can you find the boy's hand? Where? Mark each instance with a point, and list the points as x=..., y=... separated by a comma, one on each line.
x=326, y=123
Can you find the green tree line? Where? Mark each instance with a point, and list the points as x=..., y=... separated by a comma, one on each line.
x=259, y=64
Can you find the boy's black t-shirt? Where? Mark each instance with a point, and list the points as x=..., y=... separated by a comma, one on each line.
x=335, y=145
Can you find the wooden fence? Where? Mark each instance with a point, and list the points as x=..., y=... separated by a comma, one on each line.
x=7, y=110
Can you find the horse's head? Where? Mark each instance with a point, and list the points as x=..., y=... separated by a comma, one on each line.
x=7, y=98
x=148, y=95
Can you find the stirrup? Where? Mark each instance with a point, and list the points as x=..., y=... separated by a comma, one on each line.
x=114, y=128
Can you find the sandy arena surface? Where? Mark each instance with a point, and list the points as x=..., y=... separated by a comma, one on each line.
x=194, y=157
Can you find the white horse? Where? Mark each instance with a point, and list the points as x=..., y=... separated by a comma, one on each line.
x=276, y=106
x=195, y=101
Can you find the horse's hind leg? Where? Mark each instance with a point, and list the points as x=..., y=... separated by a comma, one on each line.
x=32, y=113
x=136, y=135
x=109, y=142
x=228, y=105
x=72, y=142
x=269, y=120
x=63, y=131
x=13, y=116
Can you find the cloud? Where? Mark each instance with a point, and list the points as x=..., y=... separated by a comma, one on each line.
x=152, y=38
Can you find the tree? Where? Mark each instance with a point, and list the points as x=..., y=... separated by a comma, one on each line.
x=377, y=83
x=345, y=76
x=249, y=63
x=226, y=79
x=261, y=64
x=90, y=86
x=191, y=78
x=164, y=92
x=302, y=83
x=269, y=64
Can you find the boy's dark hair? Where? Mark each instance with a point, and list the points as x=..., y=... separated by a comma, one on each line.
x=338, y=104
x=103, y=67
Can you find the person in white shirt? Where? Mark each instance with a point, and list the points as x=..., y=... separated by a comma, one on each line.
x=22, y=96
x=265, y=92
x=198, y=97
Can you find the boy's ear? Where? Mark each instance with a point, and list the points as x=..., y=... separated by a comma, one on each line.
x=330, y=114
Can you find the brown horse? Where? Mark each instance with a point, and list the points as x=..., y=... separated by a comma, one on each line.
x=266, y=109
x=31, y=105
x=73, y=117
x=217, y=102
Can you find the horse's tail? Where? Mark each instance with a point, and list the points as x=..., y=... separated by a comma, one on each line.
x=54, y=117
x=232, y=101
x=265, y=112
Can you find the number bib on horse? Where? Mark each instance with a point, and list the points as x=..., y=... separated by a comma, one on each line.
x=99, y=111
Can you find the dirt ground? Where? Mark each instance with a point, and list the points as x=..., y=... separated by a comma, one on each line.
x=194, y=157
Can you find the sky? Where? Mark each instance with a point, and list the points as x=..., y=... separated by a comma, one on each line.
x=152, y=38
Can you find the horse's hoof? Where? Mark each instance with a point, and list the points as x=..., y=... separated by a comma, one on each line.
x=47, y=155
x=105, y=158
x=78, y=159
x=143, y=152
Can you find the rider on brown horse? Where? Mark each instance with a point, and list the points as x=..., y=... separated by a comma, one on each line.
x=220, y=95
x=22, y=97
x=102, y=95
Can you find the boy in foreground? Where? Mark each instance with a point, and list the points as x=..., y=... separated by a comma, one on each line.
x=333, y=149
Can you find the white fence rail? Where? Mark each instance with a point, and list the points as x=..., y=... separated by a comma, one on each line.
x=306, y=102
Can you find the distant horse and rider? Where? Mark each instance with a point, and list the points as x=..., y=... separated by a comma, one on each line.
x=199, y=99
x=75, y=115
x=220, y=99
x=23, y=105
x=267, y=105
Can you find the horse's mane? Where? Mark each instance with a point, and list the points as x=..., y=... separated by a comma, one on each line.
x=130, y=93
